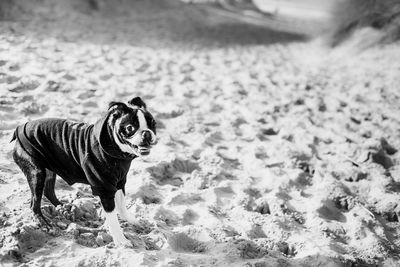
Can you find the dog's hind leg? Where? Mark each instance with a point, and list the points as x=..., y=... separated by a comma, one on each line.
x=49, y=184
x=36, y=175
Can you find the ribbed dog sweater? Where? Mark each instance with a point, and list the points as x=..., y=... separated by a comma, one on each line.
x=77, y=152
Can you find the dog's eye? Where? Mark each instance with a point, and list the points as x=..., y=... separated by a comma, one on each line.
x=129, y=130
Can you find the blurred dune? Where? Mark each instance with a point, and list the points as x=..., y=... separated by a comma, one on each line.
x=381, y=17
x=337, y=20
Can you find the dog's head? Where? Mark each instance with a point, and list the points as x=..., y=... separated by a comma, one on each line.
x=133, y=127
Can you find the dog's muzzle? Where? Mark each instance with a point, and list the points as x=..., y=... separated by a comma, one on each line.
x=146, y=136
x=148, y=139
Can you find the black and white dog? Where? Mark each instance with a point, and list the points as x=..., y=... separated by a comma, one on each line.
x=99, y=155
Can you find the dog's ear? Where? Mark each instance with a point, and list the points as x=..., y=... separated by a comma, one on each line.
x=138, y=102
x=119, y=106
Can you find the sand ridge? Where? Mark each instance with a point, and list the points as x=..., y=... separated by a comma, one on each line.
x=273, y=151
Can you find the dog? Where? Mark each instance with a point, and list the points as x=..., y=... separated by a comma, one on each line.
x=99, y=154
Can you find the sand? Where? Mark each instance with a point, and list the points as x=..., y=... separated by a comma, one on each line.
x=273, y=150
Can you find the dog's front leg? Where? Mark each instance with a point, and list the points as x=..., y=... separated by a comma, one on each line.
x=121, y=208
x=113, y=223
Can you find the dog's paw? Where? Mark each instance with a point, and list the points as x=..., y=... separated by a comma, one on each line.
x=49, y=211
x=65, y=211
x=43, y=222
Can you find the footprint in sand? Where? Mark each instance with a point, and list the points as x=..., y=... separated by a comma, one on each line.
x=14, y=67
x=167, y=216
x=189, y=217
x=154, y=240
x=53, y=86
x=256, y=231
x=33, y=108
x=247, y=249
x=261, y=206
x=186, y=199
x=6, y=108
x=170, y=115
x=149, y=194
x=180, y=242
x=22, y=87
x=69, y=77
x=169, y=172
x=28, y=239
x=330, y=212
x=9, y=79
x=86, y=94
x=90, y=240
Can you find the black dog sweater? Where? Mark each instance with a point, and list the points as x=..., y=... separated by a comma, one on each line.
x=77, y=152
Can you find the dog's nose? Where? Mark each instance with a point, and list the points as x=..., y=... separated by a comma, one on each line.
x=146, y=135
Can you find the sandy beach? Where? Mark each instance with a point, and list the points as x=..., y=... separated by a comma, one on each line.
x=273, y=150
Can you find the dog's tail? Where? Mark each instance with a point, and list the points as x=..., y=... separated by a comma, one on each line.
x=14, y=136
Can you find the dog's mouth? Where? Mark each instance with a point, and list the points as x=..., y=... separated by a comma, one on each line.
x=142, y=150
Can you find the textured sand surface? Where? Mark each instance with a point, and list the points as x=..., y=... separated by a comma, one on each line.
x=273, y=151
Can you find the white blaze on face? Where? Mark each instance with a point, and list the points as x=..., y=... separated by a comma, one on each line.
x=136, y=139
x=143, y=121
